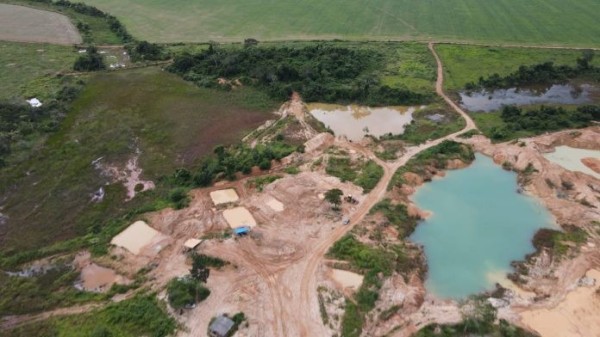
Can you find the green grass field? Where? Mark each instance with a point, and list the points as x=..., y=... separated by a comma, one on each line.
x=171, y=121
x=544, y=22
x=28, y=69
x=463, y=64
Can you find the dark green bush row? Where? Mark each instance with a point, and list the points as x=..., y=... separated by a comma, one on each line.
x=543, y=73
x=231, y=160
x=543, y=119
x=319, y=73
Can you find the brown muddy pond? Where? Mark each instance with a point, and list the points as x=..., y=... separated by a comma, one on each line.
x=356, y=122
x=486, y=101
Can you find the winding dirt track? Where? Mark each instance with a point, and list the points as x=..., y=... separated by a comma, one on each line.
x=294, y=305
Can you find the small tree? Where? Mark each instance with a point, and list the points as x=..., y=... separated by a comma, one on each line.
x=184, y=292
x=90, y=61
x=334, y=196
x=199, y=270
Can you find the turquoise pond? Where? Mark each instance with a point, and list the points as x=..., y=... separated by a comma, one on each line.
x=479, y=224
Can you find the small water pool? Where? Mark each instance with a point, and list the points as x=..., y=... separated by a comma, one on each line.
x=479, y=224
x=355, y=122
x=487, y=101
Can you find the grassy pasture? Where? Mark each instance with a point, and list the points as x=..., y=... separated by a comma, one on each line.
x=25, y=24
x=172, y=122
x=540, y=22
x=28, y=69
x=463, y=64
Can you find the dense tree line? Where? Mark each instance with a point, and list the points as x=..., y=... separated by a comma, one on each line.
x=18, y=122
x=543, y=73
x=319, y=72
x=545, y=118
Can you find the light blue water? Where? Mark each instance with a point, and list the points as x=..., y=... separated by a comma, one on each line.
x=478, y=226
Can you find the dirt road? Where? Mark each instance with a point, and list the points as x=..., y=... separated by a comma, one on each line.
x=439, y=89
x=11, y=322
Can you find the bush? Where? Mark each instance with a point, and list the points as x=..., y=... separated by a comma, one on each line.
x=185, y=292
x=90, y=61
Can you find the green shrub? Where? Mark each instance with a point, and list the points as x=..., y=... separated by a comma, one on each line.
x=185, y=292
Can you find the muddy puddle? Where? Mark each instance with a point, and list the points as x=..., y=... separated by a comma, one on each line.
x=356, y=122
x=486, y=101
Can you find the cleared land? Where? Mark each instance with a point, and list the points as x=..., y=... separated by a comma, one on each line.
x=18, y=23
x=27, y=70
x=171, y=122
x=547, y=22
x=463, y=64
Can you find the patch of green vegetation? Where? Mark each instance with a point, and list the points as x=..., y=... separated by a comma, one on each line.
x=185, y=292
x=21, y=295
x=552, y=22
x=475, y=327
x=209, y=261
x=117, y=115
x=542, y=74
x=260, y=182
x=397, y=216
x=436, y=157
x=142, y=315
x=369, y=176
x=91, y=60
x=558, y=243
x=28, y=70
x=319, y=72
x=352, y=321
x=422, y=128
x=513, y=122
x=364, y=174
x=293, y=170
x=373, y=262
x=464, y=63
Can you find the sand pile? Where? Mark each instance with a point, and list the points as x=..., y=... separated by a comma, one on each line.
x=224, y=196
x=576, y=316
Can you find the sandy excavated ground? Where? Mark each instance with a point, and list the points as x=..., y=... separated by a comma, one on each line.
x=136, y=237
x=347, y=279
x=238, y=217
x=272, y=258
x=221, y=197
x=576, y=316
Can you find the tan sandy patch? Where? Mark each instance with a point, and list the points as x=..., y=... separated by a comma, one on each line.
x=224, y=196
x=239, y=216
x=135, y=237
x=592, y=163
x=576, y=316
x=275, y=204
x=347, y=279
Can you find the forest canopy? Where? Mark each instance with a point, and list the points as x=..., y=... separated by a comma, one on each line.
x=319, y=73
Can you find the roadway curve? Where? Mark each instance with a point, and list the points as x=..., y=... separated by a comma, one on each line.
x=309, y=279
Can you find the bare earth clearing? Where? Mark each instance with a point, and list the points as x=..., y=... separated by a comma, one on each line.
x=278, y=272
x=24, y=24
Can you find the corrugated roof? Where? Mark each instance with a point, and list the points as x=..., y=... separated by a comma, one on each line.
x=221, y=326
